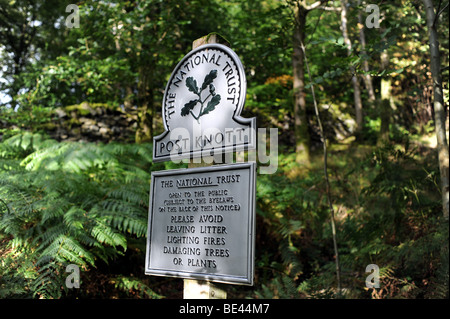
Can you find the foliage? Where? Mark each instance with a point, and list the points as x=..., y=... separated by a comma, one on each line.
x=135, y=286
x=388, y=214
x=84, y=203
x=70, y=203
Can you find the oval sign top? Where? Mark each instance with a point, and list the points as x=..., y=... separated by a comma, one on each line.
x=205, y=94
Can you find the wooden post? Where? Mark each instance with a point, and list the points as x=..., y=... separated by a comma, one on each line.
x=200, y=289
x=210, y=38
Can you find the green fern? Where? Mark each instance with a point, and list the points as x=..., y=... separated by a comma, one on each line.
x=281, y=287
x=134, y=286
x=49, y=283
x=70, y=203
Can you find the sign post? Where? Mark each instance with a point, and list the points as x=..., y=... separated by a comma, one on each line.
x=196, y=289
x=202, y=219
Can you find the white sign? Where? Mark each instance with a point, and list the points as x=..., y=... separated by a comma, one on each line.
x=202, y=104
x=202, y=223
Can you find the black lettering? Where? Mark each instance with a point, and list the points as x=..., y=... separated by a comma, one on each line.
x=231, y=90
x=232, y=98
x=205, y=57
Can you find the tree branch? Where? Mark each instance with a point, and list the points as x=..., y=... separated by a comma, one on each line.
x=439, y=12
x=314, y=5
x=315, y=26
x=331, y=9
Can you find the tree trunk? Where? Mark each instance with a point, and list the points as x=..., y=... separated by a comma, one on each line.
x=355, y=82
x=438, y=104
x=302, y=138
x=362, y=39
x=327, y=181
x=144, y=130
x=128, y=100
x=145, y=97
x=385, y=102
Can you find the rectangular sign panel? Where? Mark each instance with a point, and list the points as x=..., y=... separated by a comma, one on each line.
x=202, y=223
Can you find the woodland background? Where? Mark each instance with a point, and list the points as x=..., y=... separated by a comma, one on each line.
x=79, y=107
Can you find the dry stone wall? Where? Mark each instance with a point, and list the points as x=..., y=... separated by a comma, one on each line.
x=92, y=123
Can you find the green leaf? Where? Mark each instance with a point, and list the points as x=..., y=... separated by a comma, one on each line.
x=385, y=32
x=209, y=78
x=191, y=83
x=211, y=105
x=188, y=106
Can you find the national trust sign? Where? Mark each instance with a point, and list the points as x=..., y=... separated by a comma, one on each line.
x=202, y=104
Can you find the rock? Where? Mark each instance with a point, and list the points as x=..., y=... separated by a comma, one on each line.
x=60, y=113
x=85, y=108
x=92, y=122
x=104, y=131
x=87, y=121
x=93, y=128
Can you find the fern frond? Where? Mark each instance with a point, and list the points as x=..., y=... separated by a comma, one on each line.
x=71, y=203
x=281, y=287
x=132, y=284
x=48, y=284
x=49, y=236
x=68, y=156
x=64, y=249
x=26, y=140
x=106, y=235
x=123, y=216
x=75, y=217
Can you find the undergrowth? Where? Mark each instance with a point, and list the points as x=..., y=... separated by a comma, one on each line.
x=86, y=204
x=389, y=213
x=68, y=203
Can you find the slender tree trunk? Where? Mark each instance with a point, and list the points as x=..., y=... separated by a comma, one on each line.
x=128, y=100
x=355, y=82
x=385, y=102
x=327, y=181
x=362, y=39
x=302, y=138
x=438, y=104
x=144, y=130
